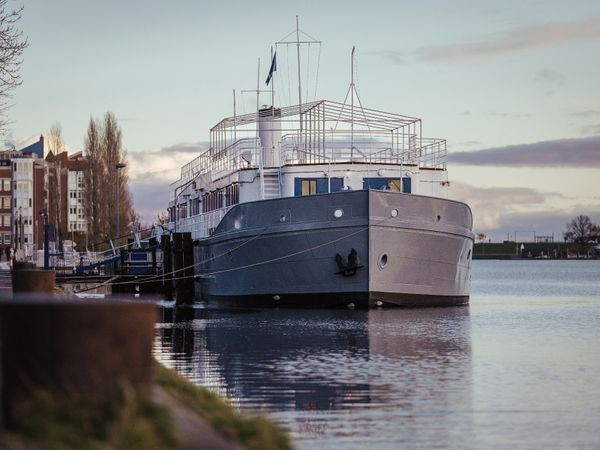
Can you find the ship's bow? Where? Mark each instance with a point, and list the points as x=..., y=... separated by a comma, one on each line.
x=420, y=250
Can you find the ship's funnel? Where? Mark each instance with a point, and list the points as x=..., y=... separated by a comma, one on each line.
x=269, y=132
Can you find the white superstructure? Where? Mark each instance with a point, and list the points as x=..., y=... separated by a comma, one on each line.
x=317, y=147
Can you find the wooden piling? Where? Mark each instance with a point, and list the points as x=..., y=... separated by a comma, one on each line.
x=188, y=263
x=167, y=266
x=177, y=265
x=33, y=280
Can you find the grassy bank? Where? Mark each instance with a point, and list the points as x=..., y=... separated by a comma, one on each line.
x=134, y=420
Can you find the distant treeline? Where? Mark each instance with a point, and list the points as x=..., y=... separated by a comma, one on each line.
x=514, y=250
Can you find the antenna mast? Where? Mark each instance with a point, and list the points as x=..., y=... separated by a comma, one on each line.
x=307, y=40
x=352, y=105
x=299, y=88
x=260, y=153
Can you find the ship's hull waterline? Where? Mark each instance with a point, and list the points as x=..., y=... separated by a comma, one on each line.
x=361, y=248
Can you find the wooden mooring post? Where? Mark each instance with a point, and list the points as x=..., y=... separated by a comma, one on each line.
x=167, y=255
x=183, y=260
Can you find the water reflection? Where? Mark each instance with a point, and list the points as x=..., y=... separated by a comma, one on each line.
x=388, y=376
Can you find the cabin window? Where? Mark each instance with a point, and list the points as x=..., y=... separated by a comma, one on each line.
x=311, y=186
x=232, y=195
x=388, y=184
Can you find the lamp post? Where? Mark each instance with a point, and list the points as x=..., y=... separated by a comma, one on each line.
x=119, y=166
x=44, y=214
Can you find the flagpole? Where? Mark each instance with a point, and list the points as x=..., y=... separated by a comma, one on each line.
x=234, y=120
x=273, y=83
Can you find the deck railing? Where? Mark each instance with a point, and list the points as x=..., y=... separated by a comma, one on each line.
x=362, y=148
x=201, y=225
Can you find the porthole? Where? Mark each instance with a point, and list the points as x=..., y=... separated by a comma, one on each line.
x=338, y=213
x=383, y=260
x=282, y=218
x=394, y=213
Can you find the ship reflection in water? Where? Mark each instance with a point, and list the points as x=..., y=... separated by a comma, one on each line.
x=334, y=378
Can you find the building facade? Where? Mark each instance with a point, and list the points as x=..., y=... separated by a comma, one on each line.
x=34, y=181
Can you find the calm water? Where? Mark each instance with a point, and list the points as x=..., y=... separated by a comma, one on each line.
x=519, y=367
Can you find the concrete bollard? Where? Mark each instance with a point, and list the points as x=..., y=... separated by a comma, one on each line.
x=88, y=350
x=33, y=280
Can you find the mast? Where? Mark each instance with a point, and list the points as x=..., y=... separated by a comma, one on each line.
x=260, y=153
x=287, y=40
x=352, y=105
x=299, y=87
x=234, y=120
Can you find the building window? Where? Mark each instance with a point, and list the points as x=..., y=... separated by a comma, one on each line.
x=6, y=202
x=7, y=238
x=6, y=220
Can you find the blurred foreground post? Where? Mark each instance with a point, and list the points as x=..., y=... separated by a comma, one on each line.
x=67, y=349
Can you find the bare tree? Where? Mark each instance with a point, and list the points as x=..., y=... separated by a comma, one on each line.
x=12, y=45
x=55, y=139
x=94, y=176
x=103, y=150
x=579, y=230
x=162, y=218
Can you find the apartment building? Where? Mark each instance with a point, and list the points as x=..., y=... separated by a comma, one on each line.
x=5, y=203
x=34, y=180
x=76, y=220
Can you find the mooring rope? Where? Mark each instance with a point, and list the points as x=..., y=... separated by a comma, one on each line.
x=231, y=269
x=152, y=278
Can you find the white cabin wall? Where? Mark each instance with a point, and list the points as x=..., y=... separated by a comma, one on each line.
x=249, y=186
x=424, y=181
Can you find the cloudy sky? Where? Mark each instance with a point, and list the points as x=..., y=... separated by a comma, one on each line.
x=514, y=86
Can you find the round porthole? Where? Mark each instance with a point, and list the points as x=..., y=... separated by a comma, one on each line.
x=282, y=218
x=338, y=213
x=394, y=213
x=383, y=260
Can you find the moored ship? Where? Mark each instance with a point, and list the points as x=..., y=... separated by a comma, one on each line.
x=324, y=204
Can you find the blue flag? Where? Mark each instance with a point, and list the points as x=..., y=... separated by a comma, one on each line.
x=273, y=68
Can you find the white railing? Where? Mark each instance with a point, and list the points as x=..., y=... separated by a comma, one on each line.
x=201, y=225
x=431, y=154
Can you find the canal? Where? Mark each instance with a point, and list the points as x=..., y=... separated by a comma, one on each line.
x=518, y=368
